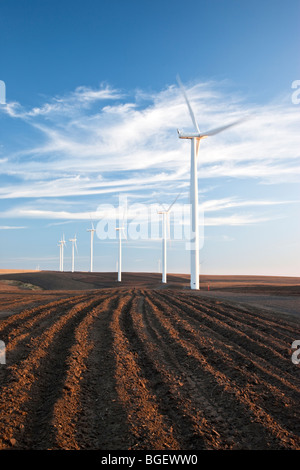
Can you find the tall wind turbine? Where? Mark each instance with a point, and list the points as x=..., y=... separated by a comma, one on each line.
x=92, y=230
x=195, y=138
x=61, y=245
x=165, y=214
x=74, y=245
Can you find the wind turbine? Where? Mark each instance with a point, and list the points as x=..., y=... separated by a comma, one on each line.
x=61, y=245
x=74, y=245
x=92, y=230
x=165, y=214
x=195, y=138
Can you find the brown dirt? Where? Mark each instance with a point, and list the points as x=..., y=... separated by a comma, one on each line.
x=53, y=280
x=10, y=271
x=140, y=368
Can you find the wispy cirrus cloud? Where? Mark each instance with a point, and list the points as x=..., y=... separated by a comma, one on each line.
x=69, y=105
x=81, y=134
x=104, y=142
x=9, y=227
x=144, y=212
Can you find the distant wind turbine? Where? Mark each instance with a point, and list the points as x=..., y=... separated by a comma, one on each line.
x=92, y=230
x=61, y=245
x=74, y=245
x=165, y=214
x=195, y=142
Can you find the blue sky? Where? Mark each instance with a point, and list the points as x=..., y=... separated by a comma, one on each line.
x=92, y=111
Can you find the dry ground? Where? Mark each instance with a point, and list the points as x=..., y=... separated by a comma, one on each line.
x=141, y=367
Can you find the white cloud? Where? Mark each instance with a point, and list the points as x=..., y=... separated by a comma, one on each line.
x=81, y=98
x=236, y=219
x=229, y=203
x=90, y=147
x=143, y=212
x=137, y=136
x=9, y=227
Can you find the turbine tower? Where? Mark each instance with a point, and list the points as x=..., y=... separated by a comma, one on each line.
x=119, y=230
x=74, y=245
x=165, y=214
x=92, y=230
x=61, y=245
x=195, y=138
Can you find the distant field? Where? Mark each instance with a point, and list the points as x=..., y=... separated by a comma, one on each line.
x=85, y=280
x=10, y=271
x=280, y=294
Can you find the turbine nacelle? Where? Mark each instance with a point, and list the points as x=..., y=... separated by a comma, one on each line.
x=201, y=135
x=190, y=135
x=91, y=229
x=74, y=240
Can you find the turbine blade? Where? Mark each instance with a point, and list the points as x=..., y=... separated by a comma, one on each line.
x=188, y=104
x=170, y=207
x=221, y=129
x=92, y=223
x=125, y=235
x=160, y=203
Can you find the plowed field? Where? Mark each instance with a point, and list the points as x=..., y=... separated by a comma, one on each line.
x=146, y=369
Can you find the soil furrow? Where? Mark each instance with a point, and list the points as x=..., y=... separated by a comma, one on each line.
x=16, y=320
x=270, y=432
x=193, y=425
x=219, y=402
x=271, y=391
x=146, y=422
x=67, y=408
x=278, y=328
x=18, y=339
x=142, y=366
x=39, y=322
x=251, y=359
x=241, y=338
x=102, y=421
x=234, y=317
x=44, y=366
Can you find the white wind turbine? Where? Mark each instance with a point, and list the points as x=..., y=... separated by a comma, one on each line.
x=92, y=230
x=165, y=214
x=195, y=138
x=74, y=245
x=61, y=245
